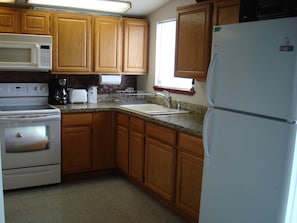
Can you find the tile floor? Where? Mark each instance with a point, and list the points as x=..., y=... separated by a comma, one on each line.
x=110, y=199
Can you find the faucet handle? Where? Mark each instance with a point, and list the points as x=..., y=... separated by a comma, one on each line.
x=178, y=104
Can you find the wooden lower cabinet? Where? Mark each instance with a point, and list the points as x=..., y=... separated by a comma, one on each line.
x=189, y=175
x=87, y=142
x=76, y=142
x=136, y=149
x=122, y=148
x=160, y=160
x=103, y=152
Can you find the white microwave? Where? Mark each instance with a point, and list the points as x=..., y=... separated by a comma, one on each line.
x=25, y=52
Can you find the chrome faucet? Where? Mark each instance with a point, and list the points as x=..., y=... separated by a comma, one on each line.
x=167, y=98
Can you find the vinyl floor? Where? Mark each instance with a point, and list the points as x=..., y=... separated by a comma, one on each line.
x=109, y=199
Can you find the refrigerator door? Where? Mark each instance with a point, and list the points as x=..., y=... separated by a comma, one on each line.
x=249, y=172
x=254, y=68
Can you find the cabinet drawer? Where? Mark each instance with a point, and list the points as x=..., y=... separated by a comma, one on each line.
x=190, y=143
x=161, y=133
x=123, y=119
x=77, y=119
x=137, y=124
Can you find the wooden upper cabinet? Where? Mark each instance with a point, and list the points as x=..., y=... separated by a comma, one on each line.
x=9, y=20
x=71, y=43
x=107, y=44
x=193, y=40
x=135, y=50
x=226, y=12
x=35, y=22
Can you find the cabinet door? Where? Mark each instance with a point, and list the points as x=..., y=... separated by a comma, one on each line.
x=193, y=41
x=188, y=184
x=135, y=46
x=160, y=168
x=103, y=153
x=76, y=144
x=136, y=149
x=122, y=152
x=107, y=44
x=71, y=43
x=122, y=148
x=226, y=12
x=35, y=22
x=8, y=20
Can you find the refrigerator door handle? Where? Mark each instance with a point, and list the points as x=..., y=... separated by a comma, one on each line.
x=210, y=79
x=206, y=133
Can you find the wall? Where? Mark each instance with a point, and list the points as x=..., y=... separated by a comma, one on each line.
x=146, y=83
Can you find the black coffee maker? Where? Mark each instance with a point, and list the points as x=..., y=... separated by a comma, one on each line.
x=58, y=91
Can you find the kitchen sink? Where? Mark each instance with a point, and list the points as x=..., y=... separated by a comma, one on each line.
x=153, y=109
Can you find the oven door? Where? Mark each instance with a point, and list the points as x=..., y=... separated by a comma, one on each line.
x=30, y=140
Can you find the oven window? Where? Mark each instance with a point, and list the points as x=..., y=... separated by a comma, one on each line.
x=26, y=139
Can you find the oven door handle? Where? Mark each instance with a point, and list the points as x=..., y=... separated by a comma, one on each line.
x=30, y=118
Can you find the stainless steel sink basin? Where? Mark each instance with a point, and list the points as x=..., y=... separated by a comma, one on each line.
x=153, y=109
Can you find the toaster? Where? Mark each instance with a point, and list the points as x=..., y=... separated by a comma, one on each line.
x=78, y=96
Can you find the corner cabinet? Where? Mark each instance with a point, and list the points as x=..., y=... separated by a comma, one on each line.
x=193, y=40
x=135, y=48
x=71, y=43
x=107, y=44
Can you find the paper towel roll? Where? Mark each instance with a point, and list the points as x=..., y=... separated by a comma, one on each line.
x=110, y=79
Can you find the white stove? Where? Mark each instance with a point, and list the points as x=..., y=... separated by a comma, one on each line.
x=30, y=136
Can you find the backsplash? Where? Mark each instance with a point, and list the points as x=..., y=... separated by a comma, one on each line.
x=74, y=81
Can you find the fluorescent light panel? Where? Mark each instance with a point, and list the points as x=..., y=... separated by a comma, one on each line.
x=97, y=5
x=7, y=1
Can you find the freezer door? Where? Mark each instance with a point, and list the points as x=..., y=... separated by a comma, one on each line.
x=247, y=175
x=254, y=68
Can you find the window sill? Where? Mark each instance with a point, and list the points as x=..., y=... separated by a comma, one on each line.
x=189, y=92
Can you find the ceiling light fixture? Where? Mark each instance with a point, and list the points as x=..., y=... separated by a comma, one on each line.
x=7, y=1
x=94, y=5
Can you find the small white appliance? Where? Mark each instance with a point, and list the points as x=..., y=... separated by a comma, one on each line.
x=25, y=52
x=250, y=130
x=92, y=94
x=78, y=96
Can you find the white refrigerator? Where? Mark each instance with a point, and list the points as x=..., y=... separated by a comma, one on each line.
x=250, y=130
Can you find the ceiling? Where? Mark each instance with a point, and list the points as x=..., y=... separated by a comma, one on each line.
x=140, y=8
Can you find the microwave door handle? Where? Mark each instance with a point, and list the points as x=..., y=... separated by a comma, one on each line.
x=35, y=57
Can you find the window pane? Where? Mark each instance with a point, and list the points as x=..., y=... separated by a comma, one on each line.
x=165, y=54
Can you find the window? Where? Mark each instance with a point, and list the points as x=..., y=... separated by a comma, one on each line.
x=165, y=56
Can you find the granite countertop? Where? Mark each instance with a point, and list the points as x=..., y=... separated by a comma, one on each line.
x=191, y=123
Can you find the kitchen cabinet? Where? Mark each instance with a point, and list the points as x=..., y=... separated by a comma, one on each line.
x=71, y=43
x=35, y=22
x=103, y=152
x=14, y=20
x=9, y=18
x=76, y=142
x=107, y=44
x=193, y=40
x=135, y=46
x=160, y=160
x=122, y=155
x=189, y=174
x=226, y=12
x=136, y=148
